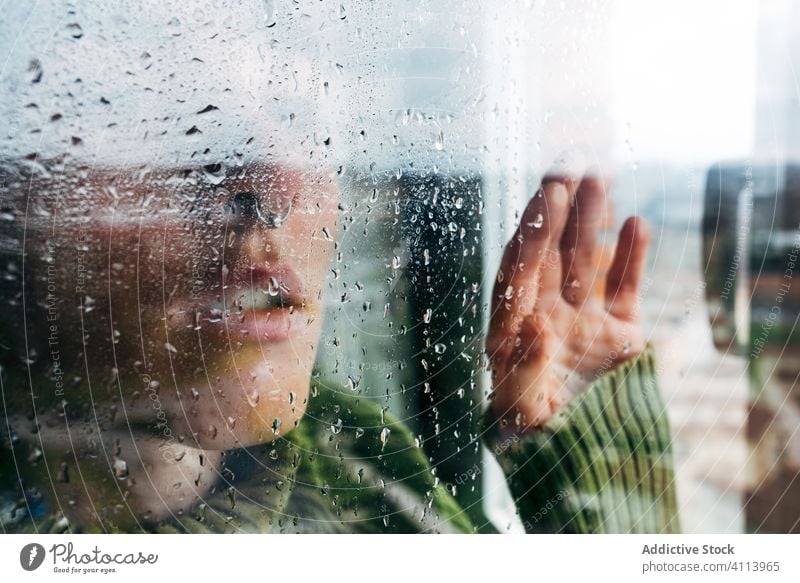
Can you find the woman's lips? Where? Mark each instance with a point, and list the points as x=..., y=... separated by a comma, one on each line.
x=264, y=306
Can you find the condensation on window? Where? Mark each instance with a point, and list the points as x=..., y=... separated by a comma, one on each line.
x=212, y=214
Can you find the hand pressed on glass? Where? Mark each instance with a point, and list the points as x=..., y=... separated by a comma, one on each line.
x=550, y=335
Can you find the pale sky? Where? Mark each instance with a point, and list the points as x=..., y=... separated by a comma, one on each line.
x=685, y=78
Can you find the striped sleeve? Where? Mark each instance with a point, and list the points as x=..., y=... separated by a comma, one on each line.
x=601, y=465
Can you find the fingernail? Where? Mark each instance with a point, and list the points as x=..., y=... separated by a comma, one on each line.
x=558, y=194
x=572, y=163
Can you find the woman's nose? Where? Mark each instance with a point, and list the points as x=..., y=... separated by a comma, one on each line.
x=252, y=229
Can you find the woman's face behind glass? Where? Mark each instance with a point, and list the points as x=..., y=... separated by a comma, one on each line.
x=177, y=296
x=176, y=224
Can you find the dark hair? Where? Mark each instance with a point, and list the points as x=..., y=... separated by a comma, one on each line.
x=24, y=344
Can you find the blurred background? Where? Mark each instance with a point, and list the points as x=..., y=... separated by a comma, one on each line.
x=476, y=104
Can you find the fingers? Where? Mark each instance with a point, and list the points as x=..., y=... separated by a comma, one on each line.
x=627, y=268
x=528, y=262
x=579, y=245
x=569, y=168
x=550, y=257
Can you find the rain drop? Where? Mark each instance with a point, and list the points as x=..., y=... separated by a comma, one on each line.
x=438, y=141
x=253, y=398
x=120, y=468
x=269, y=13
x=384, y=437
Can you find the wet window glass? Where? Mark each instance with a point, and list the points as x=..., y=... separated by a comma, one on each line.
x=296, y=266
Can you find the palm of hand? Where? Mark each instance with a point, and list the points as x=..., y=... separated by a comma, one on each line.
x=551, y=332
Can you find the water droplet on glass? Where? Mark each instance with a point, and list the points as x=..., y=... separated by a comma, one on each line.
x=253, y=398
x=120, y=468
x=174, y=26
x=439, y=348
x=269, y=13
x=438, y=141
x=35, y=71
x=63, y=473
x=384, y=437
x=88, y=304
x=75, y=30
